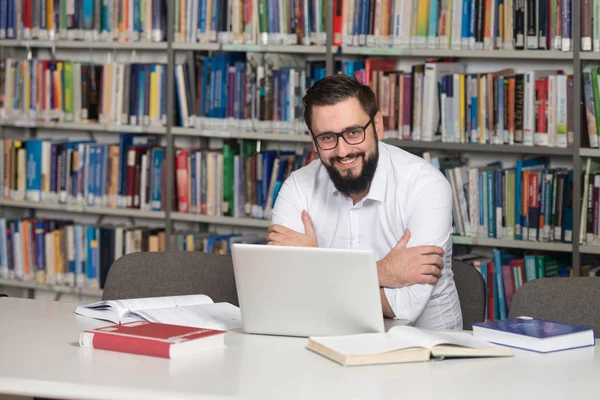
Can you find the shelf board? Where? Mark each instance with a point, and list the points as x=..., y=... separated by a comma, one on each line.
x=231, y=221
x=84, y=126
x=51, y=288
x=589, y=55
x=482, y=54
x=119, y=212
x=515, y=244
x=84, y=44
x=589, y=249
x=227, y=134
x=487, y=148
x=251, y=48
x=589, y=152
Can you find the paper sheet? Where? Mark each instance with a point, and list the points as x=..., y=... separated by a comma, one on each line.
x=221, y=316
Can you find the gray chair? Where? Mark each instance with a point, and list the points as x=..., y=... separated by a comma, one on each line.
x=471, y=289
x=139, y=275
x=568, y=300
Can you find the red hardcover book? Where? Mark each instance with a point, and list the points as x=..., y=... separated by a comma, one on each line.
x=153, y=339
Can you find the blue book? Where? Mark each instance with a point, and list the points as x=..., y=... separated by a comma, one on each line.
x=535, y=334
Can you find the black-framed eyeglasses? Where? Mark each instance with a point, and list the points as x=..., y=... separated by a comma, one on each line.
x=352, y=136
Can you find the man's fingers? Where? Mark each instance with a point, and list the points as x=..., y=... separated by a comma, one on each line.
x=428, y=280
x=404, y=239
x=309, y=228
x=432, y=260
x=277, y=228
x=430, y=250
x=274, y=237
x=433, y=270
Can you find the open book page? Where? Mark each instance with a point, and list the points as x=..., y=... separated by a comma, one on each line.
x=429, y=339
x=220, y=316
x=121, y=310
x=368, y=343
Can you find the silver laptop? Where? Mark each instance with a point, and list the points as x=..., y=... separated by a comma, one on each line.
x=298, y=291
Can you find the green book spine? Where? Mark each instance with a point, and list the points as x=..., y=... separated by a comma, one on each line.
x=263, y=22
x=596, y=97
x=68, y=100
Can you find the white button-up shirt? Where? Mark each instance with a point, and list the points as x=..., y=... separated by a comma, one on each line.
x=406, y=192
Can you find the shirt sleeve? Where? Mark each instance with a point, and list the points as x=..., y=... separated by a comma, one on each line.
x=429, y=218
x=288, y=207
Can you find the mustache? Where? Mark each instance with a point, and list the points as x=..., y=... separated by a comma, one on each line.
x=351, y=155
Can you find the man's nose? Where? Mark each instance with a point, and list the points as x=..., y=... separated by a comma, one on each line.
x=343, y=148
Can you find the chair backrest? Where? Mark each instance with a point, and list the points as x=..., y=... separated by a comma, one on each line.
x=568, y=300
x=471, y=293
x=158, y=274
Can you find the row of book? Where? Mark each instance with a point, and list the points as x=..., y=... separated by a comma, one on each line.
x=458, y=24
x=239, y=92
x=66, y=91
x=65, y=253
x=128, y=174
x=62, y=252
x=528, y=202
x=236, y=181
x=505, y=272
x=227, y=91
x=440, y=101
x=231, y=92
x=266, y=22
x=91, y=20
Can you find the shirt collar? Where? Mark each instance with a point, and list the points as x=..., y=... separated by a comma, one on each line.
x=378, y=184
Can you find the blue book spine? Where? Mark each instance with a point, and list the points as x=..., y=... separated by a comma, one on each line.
x=466, y=21
x=141, y=95
x=40, y=240
x=98, y=173
x=500, y=120
x=214, y=18
x=91, y=177
x=568, y=210
x=433, y=20
x=364, y=21
x=498, y=262
x=491, y=208
x=474, y=111
x=104, y=188
x=88, y=14
x=157, y=162
x=33, y=153
x=11, y=28
x=90, y=244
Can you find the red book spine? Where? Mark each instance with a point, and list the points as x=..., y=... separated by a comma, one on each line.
x=182, y=180
x=338, y=6
x=490, y=291
x=130, y=344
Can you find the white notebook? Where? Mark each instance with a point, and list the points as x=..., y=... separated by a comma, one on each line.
x=193, y=310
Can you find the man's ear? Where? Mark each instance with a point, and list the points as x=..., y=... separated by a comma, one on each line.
x=378, y=122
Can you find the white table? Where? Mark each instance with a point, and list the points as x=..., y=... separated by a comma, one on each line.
x=39, y=356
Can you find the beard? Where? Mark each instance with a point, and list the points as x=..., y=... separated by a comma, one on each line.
x=349, y=185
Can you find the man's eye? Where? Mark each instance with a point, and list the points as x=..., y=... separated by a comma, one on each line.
x=354, y=132
x=326, y=138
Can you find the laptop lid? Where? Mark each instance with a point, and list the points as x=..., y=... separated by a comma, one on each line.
x=299, y=291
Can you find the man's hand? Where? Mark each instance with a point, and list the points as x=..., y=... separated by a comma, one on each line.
x=408, y=266
x=279, y=235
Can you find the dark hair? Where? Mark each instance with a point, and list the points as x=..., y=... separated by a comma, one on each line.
x=335, y=89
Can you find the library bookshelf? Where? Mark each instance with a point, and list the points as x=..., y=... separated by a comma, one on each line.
x=330, y=54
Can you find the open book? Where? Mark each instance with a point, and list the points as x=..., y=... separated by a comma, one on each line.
x=402, y=344
x=193, y=310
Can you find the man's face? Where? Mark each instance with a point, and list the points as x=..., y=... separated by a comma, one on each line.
x=351, y=167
